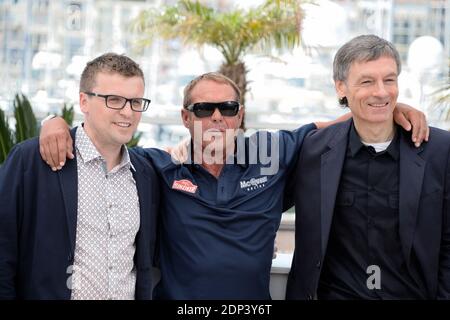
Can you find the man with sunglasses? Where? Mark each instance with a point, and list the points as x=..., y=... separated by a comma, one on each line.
x=220, y=212
x=88, y=231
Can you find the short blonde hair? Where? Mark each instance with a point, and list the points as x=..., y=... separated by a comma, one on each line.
x=211, y=76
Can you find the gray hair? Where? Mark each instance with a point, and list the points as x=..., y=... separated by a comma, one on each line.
x=362, y=48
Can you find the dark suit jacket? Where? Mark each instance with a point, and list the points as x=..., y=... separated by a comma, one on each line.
x=424, y=213
x=38, y=221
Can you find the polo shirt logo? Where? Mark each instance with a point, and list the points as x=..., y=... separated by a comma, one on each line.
x=253, y=183
x=184, y=185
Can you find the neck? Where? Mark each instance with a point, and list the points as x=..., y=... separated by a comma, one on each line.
x=214, y=169
x=111, y=154
x=112, y=157
x=375, y=133
x=210, y=160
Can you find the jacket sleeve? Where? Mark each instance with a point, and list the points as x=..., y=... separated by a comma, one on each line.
x=444, y=257
x=11, y=205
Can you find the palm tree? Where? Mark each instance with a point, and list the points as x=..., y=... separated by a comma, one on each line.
x=442, y=100
x=441, y=97
x=26, y=126
x=6, y=137
x=273, y=24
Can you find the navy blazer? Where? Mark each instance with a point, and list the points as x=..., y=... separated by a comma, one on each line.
x=424, y=213
x=38, y=221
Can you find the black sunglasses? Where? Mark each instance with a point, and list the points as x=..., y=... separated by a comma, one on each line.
x=206, y=109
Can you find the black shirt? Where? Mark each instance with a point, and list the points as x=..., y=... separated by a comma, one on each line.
x=365, y=229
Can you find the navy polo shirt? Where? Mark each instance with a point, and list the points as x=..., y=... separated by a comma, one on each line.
x=217, y=234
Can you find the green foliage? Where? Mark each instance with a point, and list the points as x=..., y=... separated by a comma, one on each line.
x=441, y=97
x=6, y=137
x=26, y=126
x=26, y=123
x=442, y=100
x=67, y=114
x=135, y=140
x=273, y=24
x=234, y=33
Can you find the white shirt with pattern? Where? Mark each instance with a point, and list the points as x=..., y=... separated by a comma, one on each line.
x=107, y=223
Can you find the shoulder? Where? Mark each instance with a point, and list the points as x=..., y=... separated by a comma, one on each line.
x=324, y=135
x=28, y=149
x=438, y=140
x=140, y=162
x=24, y=157
x=29, y=145
x=439, y=134
x=157, y=156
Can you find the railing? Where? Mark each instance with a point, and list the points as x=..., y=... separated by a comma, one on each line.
x=278, y=275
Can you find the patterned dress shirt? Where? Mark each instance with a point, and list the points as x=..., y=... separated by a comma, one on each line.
x=107, y=223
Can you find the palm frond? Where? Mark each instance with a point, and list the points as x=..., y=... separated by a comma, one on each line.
x=275, y=23
x=6, y=137
x=441, y=100
x=67, y=114
x=134, y=140
x=26, y=123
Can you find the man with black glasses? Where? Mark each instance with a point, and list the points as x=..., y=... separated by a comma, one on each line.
x=87, y=232
x=221, y=209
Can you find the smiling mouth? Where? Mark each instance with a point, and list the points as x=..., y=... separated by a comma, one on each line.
x=216, y=130
x=123, y=124
x=379, y=105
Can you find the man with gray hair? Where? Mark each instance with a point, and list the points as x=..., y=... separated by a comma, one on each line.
x=372, y=211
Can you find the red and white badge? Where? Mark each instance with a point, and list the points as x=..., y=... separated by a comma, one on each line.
x=184, y=185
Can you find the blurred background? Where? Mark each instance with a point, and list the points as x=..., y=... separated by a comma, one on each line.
x=45, y=44
x=280, y=56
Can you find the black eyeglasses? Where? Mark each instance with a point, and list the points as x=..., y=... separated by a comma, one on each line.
x=118, y=102
x=206, y=109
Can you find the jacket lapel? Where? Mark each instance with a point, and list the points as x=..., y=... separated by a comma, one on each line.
x=331, y=167
x=143, y=186
x=412, y=168
x=68, y=178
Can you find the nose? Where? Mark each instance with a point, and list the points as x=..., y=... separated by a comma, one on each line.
x=216, y=116
x=380, y=90
x=127, y=111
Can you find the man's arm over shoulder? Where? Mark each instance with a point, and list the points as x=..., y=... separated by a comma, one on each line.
x=291, y=143
x=289, y=191
x=11, y=206
x=159, y=159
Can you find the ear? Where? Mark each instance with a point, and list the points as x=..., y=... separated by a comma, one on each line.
x=84, y=103
x=341, y=88
x=186, y=117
